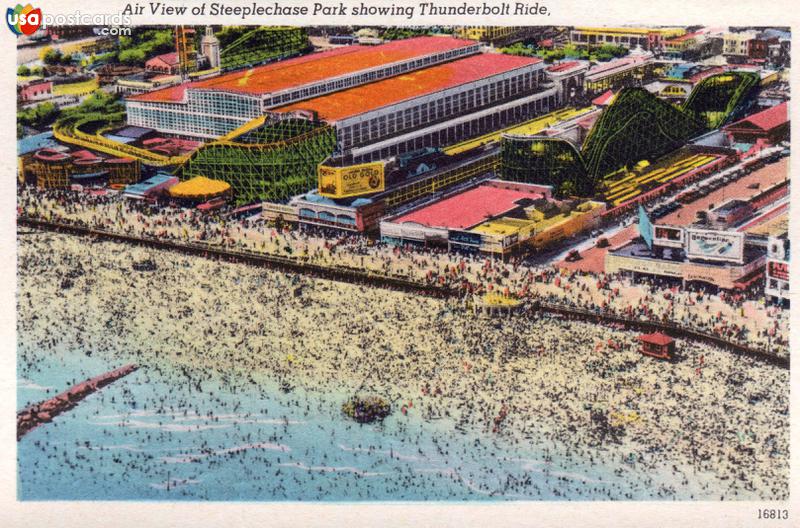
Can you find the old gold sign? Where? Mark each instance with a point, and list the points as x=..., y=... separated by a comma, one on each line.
x=356, y=180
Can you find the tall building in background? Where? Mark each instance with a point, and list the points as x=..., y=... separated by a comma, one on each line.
x=209, y=47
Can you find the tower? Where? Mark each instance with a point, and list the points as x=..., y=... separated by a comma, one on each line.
x=209, y=47
x=184, y=46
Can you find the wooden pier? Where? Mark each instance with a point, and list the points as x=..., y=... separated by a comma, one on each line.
x=45, y=411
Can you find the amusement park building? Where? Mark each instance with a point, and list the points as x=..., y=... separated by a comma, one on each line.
x=628, y=37
x=213, y=107
x=457, y=100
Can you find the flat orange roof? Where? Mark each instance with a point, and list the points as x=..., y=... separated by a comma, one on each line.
x=364, y=98
x=311, y=68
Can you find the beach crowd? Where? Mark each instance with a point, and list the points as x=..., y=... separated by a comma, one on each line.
x=742, y=318
x=528, y=406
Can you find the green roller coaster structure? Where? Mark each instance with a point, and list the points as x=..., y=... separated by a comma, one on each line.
x=722, y=98
x=264, y=44
x=547, y=161
x=272, y=162
x=636, y=126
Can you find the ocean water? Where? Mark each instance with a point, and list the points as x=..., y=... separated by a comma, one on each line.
x=207, y=441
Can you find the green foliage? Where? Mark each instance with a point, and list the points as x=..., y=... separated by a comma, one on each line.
x=99, y=102
x=23, y=71
x=52, y=56
x=39, y=116
x=395, y=33
x=132, y=56
x=570, y=51
x=520, y=49
x=143, y=44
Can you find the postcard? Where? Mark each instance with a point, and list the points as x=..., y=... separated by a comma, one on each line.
x=328, y=259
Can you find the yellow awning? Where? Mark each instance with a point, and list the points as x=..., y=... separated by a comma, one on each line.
x=199, y=188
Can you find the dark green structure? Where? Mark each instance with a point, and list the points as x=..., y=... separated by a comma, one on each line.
x=722, y=98
x=636, y=126
x=545, y=161
x=264, y=44
x=272, y=162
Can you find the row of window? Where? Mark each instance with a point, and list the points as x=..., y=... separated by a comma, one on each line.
x=182, y=122
x=436, y=107
x=465, y=130
x=327, y=217
x=213, y=102
x=611, y=39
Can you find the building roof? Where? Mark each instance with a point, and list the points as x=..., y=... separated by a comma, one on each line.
x=134, y=132
x=604, y=98
x=311, y=68
x=685, y=37
x=657, y=338
x=631, y=30
x=368, y=97
x=170, y=59
x=468, y=208
x=30, y=144
x=154, y=181
x=765, y=120
x=563, y=66
x=616, y=65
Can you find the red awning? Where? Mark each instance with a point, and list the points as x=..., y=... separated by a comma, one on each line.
x=747, y=280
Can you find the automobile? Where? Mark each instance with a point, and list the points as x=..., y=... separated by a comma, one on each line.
x=602, y=242
x=573, y=255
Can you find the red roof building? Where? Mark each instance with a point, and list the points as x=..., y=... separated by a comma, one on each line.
x=167, y=63
x=771, y=125
x=469, y=208
x=657, y=345
x=365, y=98
x=311, y=68
x=603, y=99
x=35, y=91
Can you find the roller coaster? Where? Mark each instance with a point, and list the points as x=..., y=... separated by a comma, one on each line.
x=265, y=159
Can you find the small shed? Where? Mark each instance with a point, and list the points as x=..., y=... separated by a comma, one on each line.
x=657, y=345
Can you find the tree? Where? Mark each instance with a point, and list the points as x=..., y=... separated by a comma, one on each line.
x=39, y=116
x=23, y=71
x=131, y=56
x=52, y=56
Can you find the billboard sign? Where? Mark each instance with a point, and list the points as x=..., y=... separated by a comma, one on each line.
x=778, y=270
x=668, y=236
x=723, y=246
x=645, y=227
x=354, y=180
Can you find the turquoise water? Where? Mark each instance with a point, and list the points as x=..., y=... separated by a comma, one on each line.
x=204, y=440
